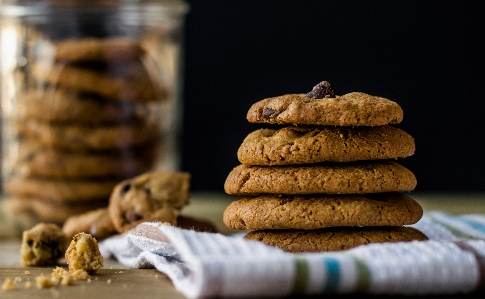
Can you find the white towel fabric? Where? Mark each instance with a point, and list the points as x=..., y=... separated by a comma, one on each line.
x=207, y=264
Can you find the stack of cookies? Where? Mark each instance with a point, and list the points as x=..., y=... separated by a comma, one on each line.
x=326, y=178
x=85, y=122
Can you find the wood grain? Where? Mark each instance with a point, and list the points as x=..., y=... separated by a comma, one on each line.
x=124, y=283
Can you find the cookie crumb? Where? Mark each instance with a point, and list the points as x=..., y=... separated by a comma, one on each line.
x=108, y=281
x=27, y=272
x=43, y=282
x=125, y=286
x=79, y=274
x=66, y=280
x=59, y=272
x=121, y=272
x=28, y=285
x=17, y=279
x=8, y=284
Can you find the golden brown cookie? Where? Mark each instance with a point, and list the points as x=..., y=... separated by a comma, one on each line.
x=95, y=222
x=83, y=254
x=152, y=196
x=98, y=49
x=301, y=145
x=352, y=109
x=43, y=161
x=71, y=136
x=42, y=245
x=42, y=210
x=320, y=211
x=58, y=190
x=62, y=105
x=117, y=81
x=330, y=178
x=334, y=238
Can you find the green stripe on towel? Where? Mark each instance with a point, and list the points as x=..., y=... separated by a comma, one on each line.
x=363, y=275
x=301, y=275
x=458, y=233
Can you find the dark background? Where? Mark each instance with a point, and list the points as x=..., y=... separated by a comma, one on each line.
x=428, y=56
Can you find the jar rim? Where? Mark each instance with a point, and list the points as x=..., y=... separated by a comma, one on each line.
x=21, y=8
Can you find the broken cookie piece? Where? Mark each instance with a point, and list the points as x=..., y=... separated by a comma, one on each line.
x=153, y=196
x=83, y=254
x=42, y=245
x=95, y=222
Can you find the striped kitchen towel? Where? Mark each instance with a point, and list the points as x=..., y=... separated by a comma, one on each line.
x=206, y=264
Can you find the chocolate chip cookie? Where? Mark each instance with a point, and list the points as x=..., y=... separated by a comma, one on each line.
x=78, y=136
x=352, y=109
x=320, y=211
x=333, y=238
x=330, y=178
x=43, y=210
x=114, y=49
x=121, y=82
x=60, y=190
x=305, y=144
x=153, y=196
x=63, y=105
x=43, y=161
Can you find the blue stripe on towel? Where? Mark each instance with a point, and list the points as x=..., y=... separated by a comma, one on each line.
x=475, y=225
x=333, y=275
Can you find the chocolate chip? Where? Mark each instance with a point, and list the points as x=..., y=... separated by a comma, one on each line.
x=268, y=112
x=320, y=91
x=51, y=244
x=30, y=157
x=132, y=216
x=148, y=191
x=125, y=189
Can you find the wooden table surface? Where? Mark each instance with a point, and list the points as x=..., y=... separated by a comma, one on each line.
x=149, y=283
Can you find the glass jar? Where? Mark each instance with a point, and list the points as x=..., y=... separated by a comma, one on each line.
x=90, y=96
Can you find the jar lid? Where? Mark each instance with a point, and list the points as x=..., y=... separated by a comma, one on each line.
x=39, y=7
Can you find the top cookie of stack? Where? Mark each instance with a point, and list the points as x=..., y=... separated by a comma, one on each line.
x=329, y=168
